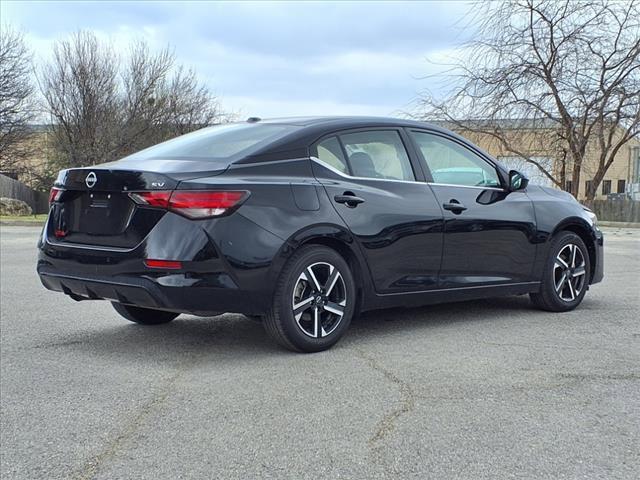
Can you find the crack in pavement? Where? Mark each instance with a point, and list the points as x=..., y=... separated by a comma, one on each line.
x=543, y=345
x=91, y=468
x=407, y=400
x=600, y=377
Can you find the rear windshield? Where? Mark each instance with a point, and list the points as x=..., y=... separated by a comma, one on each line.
x=223, y=142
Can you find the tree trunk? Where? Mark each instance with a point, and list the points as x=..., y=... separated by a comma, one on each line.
x=575, y=176
x=563, y=172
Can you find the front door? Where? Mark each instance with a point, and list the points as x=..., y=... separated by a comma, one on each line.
x=395, y=219
x=489, y=232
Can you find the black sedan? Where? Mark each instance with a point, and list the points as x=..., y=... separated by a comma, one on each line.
x=306, y=222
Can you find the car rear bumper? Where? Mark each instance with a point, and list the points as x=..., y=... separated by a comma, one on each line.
x=150, y=293
x=214, y=276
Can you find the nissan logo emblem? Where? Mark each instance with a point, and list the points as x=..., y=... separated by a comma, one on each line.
x=91, y=180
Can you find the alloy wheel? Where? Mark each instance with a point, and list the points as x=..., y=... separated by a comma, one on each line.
x=319, y=299
x=569, y=272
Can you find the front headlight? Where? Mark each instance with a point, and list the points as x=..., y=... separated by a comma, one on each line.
x=592, y=216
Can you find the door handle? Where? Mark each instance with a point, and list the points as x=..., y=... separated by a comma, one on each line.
x=454, y=206
x=349, y=199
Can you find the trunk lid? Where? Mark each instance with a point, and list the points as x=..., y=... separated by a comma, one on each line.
x=95, y=208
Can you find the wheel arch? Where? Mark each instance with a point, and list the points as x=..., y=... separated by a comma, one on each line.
x=338, y=239
x=581, y=228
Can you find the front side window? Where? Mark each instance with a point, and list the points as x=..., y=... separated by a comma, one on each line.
x=377, y=154
x=452, y=164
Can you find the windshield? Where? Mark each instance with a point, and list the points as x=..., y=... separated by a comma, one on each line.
x=223, y=142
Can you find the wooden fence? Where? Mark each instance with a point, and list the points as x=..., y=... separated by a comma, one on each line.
x=10, y=188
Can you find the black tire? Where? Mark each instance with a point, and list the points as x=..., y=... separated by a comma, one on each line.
x=302, y=332
x=564, y=287
x=144, y=316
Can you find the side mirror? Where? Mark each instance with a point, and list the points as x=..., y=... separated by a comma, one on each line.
x=517, y=181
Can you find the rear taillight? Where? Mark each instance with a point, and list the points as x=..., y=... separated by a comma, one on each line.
x=152, y=199
x=55, y=194
x=193, y=203
x=163, y=264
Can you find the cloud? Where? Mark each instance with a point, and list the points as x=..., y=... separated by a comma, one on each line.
x=282, y=58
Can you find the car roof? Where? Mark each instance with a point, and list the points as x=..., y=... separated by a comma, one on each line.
x=346, y=121
x=297, y=142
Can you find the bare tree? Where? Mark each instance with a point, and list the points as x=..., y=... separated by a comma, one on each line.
x=104, y=106
x=144, y=103
x=569, y=68
x=161, y=101
x=16, y=100
x=190, y=104
x=80, y=87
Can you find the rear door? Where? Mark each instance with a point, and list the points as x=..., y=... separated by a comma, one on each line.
x=489, y=232
x=376, y=189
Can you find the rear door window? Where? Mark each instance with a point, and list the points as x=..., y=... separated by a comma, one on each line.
x=330, y=152
x=377, y=154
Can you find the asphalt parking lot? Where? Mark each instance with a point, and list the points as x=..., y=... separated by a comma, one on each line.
x=484, y=389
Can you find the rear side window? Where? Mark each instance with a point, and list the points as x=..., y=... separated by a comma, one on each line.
x=330, y=152
x=223, y=142
x=377, y=154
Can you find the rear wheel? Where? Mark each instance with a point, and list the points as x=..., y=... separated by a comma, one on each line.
x=314, y=301
x=144, y=316
x=566, y=275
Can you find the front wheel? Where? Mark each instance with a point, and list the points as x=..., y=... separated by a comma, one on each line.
x=144, y=316
x=314, y=300
x=566, y=275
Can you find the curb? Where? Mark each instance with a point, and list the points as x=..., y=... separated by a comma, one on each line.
x=619, y=224
x=21, y=223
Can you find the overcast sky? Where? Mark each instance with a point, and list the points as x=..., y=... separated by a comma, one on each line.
x=274, y=59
